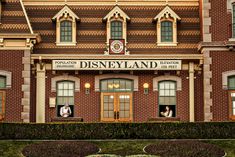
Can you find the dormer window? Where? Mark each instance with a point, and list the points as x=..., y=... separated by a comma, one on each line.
x=167, y=27
x=66, y=21
x=116, y=26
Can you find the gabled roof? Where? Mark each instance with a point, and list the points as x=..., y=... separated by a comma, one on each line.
x=167, y=11
x=117, y=11
x=14, y=20
x=67, y=10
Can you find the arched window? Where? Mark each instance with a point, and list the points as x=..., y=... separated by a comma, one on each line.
x=116, y=85
x=66, y=31
x=65, y=95
x=166, y=31
x=2, y=82
x=167, y=98
x=116, y=30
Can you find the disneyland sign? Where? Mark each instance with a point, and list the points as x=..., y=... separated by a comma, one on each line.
x=116, y=64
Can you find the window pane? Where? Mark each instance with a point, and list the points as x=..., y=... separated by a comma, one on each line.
x=166, y=31
x=233, y=111
x=162, y=93
x=2, y=82
x=161, y=86
x=116, y=85
x=66, y=31
x=231, y=82
x=116, y=30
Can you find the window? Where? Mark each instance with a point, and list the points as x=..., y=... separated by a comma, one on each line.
x=2, y=82
x=66, y=23
x=167, y=99
x=66, y=31
x=231, y=87
x=116, y=85
x=116, y=30
x=233, y=20
x=167, y=27
x=65, y=95
x=2, y=105
x=231, y=82
x=166, y=31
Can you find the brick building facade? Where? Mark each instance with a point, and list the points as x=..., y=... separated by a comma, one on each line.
x=109, y=61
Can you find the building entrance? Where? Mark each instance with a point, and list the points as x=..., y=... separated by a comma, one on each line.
x=116, y=100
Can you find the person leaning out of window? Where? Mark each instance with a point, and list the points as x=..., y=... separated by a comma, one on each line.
x=65, y=111
x=167, y=112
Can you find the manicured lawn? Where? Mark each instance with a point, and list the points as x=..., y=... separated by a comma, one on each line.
x=14, y=148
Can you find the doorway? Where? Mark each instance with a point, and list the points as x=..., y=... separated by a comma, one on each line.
x=116, y=107
x=116, y=100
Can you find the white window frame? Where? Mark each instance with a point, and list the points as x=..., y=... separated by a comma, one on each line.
x=167, y=14
x=66, y=14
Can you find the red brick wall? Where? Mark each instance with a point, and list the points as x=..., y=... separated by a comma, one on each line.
x=221, y=20
x=144, y=106
x=221, y=61
x=12, y=61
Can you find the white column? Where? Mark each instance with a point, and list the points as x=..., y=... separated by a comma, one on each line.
x=191, y=92
x=41, y=94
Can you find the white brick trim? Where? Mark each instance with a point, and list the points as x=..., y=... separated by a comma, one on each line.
x=158, y=79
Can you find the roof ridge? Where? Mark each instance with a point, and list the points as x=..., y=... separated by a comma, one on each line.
x=26, y=17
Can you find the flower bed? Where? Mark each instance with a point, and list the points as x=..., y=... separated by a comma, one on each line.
x=60, y=148
x=184, y=148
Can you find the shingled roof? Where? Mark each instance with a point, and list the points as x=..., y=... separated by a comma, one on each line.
x=14, y=19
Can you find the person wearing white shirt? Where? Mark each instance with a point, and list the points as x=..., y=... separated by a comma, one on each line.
x=167, y=113
x=65, y=111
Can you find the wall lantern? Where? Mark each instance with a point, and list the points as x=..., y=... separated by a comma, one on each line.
x=146, y=88
x=87, y=88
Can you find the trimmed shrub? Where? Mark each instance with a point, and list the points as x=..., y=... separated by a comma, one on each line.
x=73, y=131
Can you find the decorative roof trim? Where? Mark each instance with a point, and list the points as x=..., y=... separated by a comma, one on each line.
x=67, y=10
x=117, y=11
x=168, y=12
x=27, y=18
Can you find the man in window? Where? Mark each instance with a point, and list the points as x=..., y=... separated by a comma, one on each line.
x=65, y=111
x=167, y=112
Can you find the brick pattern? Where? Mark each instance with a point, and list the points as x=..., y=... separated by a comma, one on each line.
x=220, y=97
x=13, y=94
x=144, y=106
x=219, y=13
x=91, y=31
x=13, y=19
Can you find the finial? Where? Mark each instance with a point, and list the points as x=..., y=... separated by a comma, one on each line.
x=116, y=2
x=65, y=2
x=166, y=2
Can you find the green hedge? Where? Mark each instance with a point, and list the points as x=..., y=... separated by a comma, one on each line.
x=71, y=131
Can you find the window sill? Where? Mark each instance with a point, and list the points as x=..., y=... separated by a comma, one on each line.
x=167, y=44
x=231, y=39
x=164, y=119
x=66, y=44
x=68, y=119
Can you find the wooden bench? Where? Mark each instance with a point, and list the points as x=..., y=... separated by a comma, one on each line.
x=67, y=119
